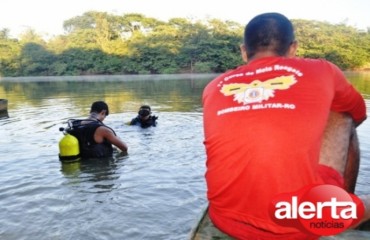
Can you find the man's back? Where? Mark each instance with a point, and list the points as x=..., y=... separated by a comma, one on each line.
x=84, y=131
x=263, y=127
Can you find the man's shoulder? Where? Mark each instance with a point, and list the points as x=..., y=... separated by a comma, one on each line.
x=135, y=121
x=310, y=61
x=103, y=129
x=240, y=70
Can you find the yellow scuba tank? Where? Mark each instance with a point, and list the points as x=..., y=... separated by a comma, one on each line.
x=69, y=150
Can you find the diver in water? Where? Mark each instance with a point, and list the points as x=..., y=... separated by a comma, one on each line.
x=144, y=118
x=94, y=137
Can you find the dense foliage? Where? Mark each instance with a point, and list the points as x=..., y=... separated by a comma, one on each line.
x=102, y=43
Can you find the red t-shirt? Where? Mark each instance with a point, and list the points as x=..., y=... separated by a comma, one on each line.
x=263, y=124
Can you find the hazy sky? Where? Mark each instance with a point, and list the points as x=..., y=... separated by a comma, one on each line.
x=47, y=16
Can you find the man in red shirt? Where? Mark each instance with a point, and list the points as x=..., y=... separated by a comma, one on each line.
x=264, y=123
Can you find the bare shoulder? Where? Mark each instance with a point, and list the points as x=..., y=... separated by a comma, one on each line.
x=104, y=130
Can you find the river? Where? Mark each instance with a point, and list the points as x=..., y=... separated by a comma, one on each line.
x=156, y=192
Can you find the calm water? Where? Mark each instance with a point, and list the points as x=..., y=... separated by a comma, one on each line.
x=156, y=192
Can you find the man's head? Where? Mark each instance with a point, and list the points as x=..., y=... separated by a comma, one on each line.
x=144, y=111
x=100, y=108
x=269, y=32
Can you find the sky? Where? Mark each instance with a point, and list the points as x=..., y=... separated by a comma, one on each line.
x=46, y=17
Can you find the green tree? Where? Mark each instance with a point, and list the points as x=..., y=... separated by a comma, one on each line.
x=102, y=43
x=343, y=45
x=35, y=60
x=10, y=50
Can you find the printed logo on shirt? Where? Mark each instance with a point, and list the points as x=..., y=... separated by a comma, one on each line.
x=320, y=210
x=257, y=91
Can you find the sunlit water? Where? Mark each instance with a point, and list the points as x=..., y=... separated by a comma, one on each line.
x=156, y=192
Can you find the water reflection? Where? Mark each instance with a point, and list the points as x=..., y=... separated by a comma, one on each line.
x=3, y=108
x=71, y=170
x=169, y=94
x=4, y=114
x=93, y=175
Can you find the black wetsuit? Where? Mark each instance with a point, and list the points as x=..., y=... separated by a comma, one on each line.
x=150, y=122
x=85, y=135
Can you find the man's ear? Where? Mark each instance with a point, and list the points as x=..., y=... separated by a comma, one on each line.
x=243, y=52
x=292, y=52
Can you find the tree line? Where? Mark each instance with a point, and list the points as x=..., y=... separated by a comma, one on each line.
x=102, y=43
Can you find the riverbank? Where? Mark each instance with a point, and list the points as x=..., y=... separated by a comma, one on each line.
x=94, y=78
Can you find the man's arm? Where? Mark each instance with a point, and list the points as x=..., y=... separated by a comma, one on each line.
x=106, y=133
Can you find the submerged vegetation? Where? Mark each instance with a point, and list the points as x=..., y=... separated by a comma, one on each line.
x=102, y=43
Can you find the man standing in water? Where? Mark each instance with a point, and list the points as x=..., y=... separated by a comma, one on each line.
x=144, y=118
x=94, y=137
x=264, y=123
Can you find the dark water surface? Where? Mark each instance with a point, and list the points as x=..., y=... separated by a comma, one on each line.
x=156, y=192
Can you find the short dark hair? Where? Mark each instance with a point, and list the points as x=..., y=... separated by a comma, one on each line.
x=268, y=31
x=99, y=106
x=145, y=107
